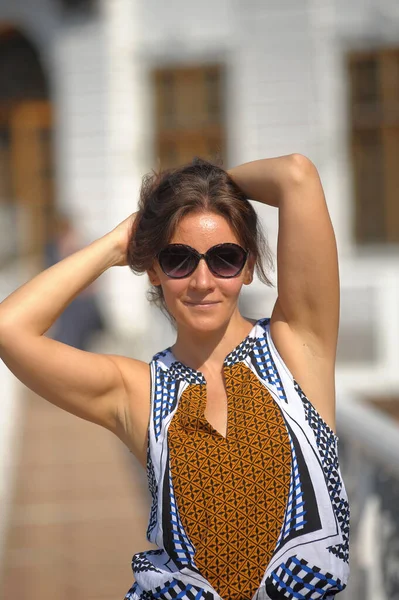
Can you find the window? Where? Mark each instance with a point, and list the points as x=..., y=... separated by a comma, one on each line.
x=189, y=118
x=26, y=169
x=5, y=171
x=374, y=86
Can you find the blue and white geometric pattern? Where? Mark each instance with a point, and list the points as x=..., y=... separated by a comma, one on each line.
x=165, y=398
x=140, y=561
x=153, y=488
x=135, y=593
x=297, y=579
x=266, y=365
x=181, y=372
x=182, y=546
x=177, y=590
x=317, y=567
x=240, y=353
x=132, y=593
x=326, y=441
x=294, y=519
x=342, y=511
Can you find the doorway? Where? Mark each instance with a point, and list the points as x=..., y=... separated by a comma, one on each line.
x=26, y=150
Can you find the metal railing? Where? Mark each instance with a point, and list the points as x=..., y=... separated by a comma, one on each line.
x=369, y=459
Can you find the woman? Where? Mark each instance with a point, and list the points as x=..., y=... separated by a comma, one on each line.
x=248, y=499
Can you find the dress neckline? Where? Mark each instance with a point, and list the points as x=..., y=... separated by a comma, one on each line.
x=239, y=353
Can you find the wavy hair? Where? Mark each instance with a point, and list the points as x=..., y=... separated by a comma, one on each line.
x=169, y=195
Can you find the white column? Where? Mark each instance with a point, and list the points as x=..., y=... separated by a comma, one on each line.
x=11, y=416
x=330, y=119
x=125, y=154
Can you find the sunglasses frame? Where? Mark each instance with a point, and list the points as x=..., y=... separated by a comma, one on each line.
x=205, y=256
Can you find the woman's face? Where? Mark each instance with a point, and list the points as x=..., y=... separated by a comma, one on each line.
x=183, y=296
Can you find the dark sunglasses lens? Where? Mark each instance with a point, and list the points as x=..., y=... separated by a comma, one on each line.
x=227, y=260
x=177, y=262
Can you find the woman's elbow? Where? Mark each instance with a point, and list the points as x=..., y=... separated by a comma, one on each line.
x=301, y=169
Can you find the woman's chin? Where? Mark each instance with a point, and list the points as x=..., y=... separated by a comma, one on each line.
x=202, y=318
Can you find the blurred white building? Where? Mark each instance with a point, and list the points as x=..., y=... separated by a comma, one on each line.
x=126, y=85
x=95, y=93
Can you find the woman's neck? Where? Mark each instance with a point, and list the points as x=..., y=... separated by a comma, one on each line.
x=207, y=350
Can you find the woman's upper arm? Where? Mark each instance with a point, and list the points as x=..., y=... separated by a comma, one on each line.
x=307, y=263
x=89, y=385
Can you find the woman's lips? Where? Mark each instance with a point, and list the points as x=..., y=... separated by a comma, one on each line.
x=201, y=304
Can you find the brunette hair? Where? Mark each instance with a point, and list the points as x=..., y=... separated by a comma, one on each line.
x=169, y=195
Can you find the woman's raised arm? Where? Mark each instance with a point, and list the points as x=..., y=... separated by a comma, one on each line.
x=92, y=386
x=307, y=263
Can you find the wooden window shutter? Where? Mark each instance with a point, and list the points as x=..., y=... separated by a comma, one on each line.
x=26, y=167
x=390, y=140
x=189, y=114
x=374, y=111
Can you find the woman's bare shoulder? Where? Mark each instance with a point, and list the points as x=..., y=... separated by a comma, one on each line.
x=136, y=410
x=135, y=373
x=309, y=365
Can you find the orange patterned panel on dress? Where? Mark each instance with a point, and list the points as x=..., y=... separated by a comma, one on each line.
x=231, y=492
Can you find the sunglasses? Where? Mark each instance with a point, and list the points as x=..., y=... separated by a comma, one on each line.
x=224, y=260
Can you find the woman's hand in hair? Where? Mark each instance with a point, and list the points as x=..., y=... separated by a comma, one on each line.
x=122, y=234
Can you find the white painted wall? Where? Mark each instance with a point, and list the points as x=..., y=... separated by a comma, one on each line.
x=79, y=96
x=40, y=30
x=126, y=160
x=287, y=92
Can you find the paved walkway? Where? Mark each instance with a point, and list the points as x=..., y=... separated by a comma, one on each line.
x=79, y=513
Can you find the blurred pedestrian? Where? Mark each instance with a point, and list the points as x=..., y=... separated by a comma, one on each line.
x=82, y=318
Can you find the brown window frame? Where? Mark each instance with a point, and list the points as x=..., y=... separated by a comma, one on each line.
x=189, y=113
x=374, y=136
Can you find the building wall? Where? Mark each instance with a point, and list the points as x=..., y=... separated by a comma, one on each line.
x=370, y=276
x=98, y=164
x=287, y=92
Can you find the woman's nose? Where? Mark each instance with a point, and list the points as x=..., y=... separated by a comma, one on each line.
x=202, y=276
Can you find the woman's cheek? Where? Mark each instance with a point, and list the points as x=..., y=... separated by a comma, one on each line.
x=172, y=290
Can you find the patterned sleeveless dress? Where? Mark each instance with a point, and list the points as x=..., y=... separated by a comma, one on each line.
x=259, y=514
